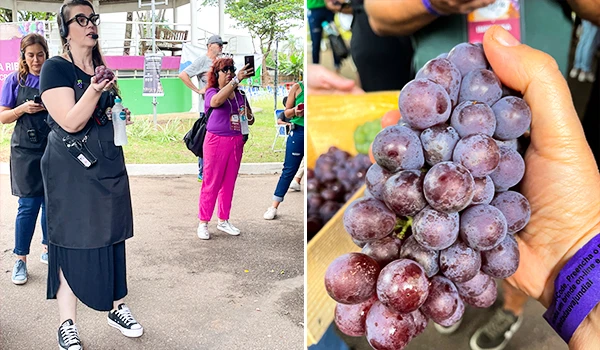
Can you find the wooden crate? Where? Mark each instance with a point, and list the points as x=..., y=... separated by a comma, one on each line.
x=331, y=122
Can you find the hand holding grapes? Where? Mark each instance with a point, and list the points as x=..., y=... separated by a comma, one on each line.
x=103, y=80
x=561, y=180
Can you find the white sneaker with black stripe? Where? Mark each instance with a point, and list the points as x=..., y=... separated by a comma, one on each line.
x=68, y=336
x=123, y=320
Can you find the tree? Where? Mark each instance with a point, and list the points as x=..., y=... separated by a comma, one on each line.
x=266, y=20
x=6, y=16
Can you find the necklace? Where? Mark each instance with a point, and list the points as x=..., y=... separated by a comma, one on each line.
x=231, y=105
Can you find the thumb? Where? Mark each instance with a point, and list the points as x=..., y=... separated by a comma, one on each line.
x=332, y=81
x=555, y=128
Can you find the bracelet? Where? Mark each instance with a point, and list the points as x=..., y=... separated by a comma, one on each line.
x=576, y=290
x=430, y=8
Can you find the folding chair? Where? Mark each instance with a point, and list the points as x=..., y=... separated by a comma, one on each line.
x=280, y=132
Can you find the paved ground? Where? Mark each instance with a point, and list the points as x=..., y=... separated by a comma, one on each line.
x=188, y=293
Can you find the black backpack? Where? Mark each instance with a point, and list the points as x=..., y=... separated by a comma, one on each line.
x=194, y=139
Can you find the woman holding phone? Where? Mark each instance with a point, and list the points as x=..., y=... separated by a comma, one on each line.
x=18, y=103
x=294, y=149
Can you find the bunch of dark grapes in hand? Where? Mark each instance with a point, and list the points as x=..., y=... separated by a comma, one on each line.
x=336, y=177
x=438, y=223
x=103, y=73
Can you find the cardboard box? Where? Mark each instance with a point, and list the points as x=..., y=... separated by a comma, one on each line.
x=332, y=120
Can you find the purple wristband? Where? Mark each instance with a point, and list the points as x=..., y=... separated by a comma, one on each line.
x=430, y=8
x=576, y=290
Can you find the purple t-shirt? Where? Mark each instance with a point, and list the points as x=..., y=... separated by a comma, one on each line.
x=219, y=122
x=11, y=86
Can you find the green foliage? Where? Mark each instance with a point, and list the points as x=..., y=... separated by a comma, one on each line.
x=6, y=16
x=289, y=64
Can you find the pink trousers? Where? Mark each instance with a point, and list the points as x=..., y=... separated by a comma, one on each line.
x=222, y=159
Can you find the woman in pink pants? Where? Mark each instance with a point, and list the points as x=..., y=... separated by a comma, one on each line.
x=229, y=116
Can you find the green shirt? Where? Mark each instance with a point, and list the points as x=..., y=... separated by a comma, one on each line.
x=544, y=26
x=299, y=100
x=314, y=4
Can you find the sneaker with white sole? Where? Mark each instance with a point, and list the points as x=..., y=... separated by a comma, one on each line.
x=203, y=231
x=447, y=330
x=295, y=186
x=227, y=227
x=19, y=274
x=590, y=77
x=497, y=332
x=123, y=320
x=44, y=258
x=270, y=214
x=573, y=73
x=68, y=336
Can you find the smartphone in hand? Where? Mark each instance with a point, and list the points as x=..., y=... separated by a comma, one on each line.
x=249, y=60
x=300, y=107
x=37, y=99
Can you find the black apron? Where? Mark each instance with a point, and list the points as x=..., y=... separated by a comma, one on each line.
x=27, y=147
x=87, y=208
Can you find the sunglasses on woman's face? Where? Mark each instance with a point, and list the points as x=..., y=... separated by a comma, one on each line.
x=83, y=21
x=228, y=69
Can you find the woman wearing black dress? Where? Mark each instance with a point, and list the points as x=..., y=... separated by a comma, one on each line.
x=88, y=200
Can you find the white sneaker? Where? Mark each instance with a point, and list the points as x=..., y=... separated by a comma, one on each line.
x=295, y=186
x=573, y=73
x=581, y=77
x=270, y=214
x=203, y=231
x=227, y=227
x=590, y=77
x=447, y=330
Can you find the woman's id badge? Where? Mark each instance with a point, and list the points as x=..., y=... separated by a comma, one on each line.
x=235, y=122
x=244, y=121
x=506, y=13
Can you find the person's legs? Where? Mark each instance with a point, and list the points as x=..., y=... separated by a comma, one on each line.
x=214, y=170
x=316, y=32
x=200, y=168
x=577, y=60
x=44, y=256
x=589, y=49
x=294, y=152
x=232, y=150
x=328, y=16
x=67, y=301
x=27, y=214
x=295, y=185
x=501, y=327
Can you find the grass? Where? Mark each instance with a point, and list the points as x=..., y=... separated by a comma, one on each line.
x=164, y=144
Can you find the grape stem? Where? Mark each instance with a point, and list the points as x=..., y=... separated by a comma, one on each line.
x=402, y=226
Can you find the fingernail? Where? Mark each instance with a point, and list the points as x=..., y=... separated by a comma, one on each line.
x=504, y=38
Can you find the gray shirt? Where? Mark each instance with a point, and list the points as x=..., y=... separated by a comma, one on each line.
x=199, y=68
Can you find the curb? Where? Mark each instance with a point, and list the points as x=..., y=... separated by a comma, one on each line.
x=183, y=169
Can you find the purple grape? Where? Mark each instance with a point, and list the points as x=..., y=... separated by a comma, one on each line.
x=482, y=227
x=514, y=144
x=513, y=117
x=403, y=193
x=460, y=262
x=375, y=180
x=424, y=104
x=475, y=286
x=480, y=85
x=359, y=243
x=448, y=187
x=443, y=55
x=406, y=276
x=350, y=319
x=398, y=148
x=515, y=208
x=510, y=170
x=442, y=301
x=351, y=278
x=458, y=314
x=467, y=57
x=328, y=210
x=438, y=143
x=485, y=299
x=427, y=258
x=472, y=117
x=502, y=261
x=367, y=219
x=444, y=73
x=478, y=153
x=389, y=330
x=384, y=251
x=420, y=320
x=435, y=229
x=484, y=191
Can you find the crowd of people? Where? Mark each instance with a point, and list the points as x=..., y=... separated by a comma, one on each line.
x=390, y=34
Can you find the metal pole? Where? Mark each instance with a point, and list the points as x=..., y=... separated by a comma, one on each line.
x=221, y=18
x=276, y=69
x=154, y=52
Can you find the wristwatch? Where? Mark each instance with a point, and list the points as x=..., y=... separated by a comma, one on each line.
x=235, y=80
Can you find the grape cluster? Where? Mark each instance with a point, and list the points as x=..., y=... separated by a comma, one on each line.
x=438, y=220
x=103, y=73
x=335, y=178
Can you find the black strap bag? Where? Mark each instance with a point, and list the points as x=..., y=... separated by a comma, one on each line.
x=194, y=139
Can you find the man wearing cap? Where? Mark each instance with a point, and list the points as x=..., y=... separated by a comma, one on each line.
x=199, y=68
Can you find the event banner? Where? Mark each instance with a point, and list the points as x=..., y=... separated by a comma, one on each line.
x=9, y=58
x=152, y=85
